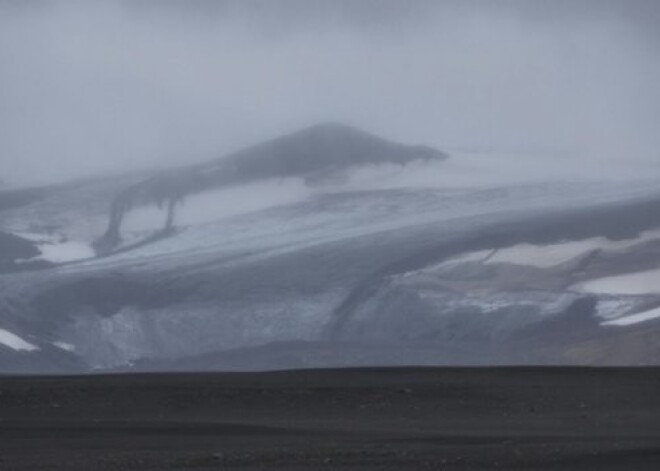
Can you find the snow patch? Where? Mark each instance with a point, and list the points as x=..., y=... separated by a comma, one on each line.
x=14, y=342
x=56, y=248
x=612, y=308
x=635, y=318
x=543, y=256
x=646, y=282
x=65, y=252
x=65, y=346
x=546, y=256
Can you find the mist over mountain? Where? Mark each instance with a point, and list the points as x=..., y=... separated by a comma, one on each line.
x=243, y=185
x=95, y=87
x=329, y=234
x=318, y=154
x=327, y=247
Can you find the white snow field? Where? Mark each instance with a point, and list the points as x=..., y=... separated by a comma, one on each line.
x=545, y=256
x=635, y=318
x=270, y=264
x=66, y=252
x=14, y=342
x=645, y=282
x=57, y=248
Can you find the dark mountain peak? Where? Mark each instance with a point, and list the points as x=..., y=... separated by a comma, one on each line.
x=14, y=248
x=312, y=153
x=319, y=148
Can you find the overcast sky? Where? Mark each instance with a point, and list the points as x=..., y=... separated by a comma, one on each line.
x=103, y=86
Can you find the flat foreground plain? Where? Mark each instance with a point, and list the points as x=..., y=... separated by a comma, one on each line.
x=357, y=419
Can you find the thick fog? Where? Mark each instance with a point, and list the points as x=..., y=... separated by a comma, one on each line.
x=88, y=87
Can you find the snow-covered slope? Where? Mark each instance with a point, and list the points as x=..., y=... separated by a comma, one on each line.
x=381, y=265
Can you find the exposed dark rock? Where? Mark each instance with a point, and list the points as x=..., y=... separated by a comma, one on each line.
x=316, y=154
x=13, y=249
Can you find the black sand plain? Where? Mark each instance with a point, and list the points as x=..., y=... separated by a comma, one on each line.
x=358, y=419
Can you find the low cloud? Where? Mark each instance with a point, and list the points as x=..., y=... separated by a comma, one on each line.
x=93, y=87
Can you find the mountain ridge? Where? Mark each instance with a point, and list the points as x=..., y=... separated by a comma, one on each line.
x=315, y=154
